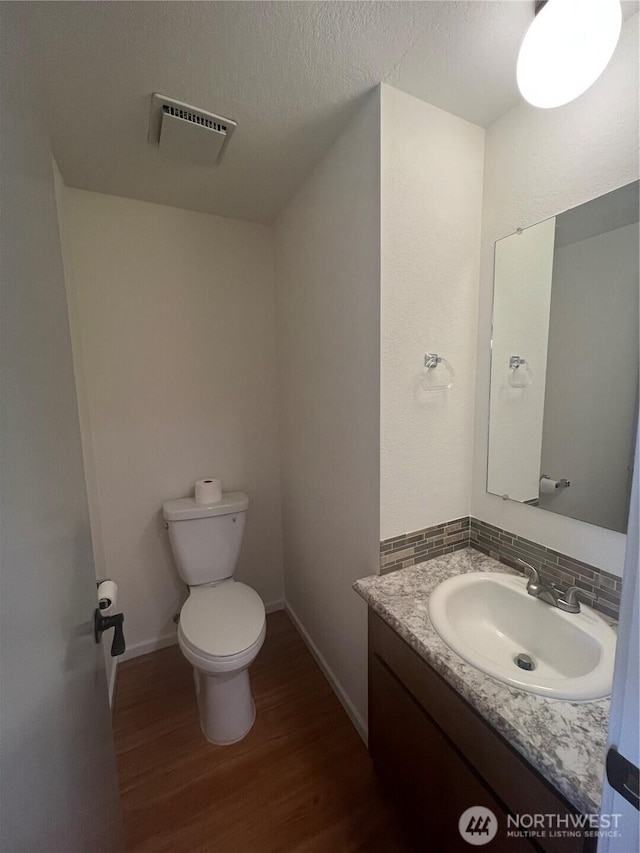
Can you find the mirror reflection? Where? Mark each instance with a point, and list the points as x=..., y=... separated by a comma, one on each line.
x=564, y=362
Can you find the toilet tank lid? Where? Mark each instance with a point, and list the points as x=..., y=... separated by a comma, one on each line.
x=185, y=509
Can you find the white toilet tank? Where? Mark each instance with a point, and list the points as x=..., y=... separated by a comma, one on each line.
x=206, y=538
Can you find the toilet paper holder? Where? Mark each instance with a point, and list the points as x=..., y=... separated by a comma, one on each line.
x=107, y=594
x=560, y=484
x=103, y=619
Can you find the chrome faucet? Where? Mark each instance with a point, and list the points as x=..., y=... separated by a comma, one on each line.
x=548, y=593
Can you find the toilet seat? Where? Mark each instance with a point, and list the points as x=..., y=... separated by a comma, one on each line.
x=218, y=665
x=222, y=627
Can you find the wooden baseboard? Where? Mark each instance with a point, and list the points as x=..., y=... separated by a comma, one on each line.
x=359, y=724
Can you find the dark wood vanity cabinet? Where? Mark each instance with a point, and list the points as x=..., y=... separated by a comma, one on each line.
x=437, y=757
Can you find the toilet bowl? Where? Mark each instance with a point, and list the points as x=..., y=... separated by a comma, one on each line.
x=221, y=630
x=222, y=624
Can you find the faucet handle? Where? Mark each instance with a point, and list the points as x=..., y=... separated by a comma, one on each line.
x=532, y=574
x=571, y=595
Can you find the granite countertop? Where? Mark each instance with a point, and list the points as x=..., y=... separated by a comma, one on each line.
x=564, y=741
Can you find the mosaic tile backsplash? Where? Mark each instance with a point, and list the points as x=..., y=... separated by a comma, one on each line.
x=421, y=545
x=554, y=567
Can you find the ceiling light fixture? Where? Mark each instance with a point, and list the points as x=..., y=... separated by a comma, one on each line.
x=566, y=49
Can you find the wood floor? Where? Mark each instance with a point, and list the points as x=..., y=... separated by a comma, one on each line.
x=300, y=781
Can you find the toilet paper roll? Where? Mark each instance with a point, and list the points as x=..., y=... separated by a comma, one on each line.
x=548, y=486
x=107, y=597
x=208, y=491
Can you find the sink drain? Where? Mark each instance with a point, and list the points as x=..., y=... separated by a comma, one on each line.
x=524, y=662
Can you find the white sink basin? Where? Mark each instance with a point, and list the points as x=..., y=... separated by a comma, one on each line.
x=489, y=619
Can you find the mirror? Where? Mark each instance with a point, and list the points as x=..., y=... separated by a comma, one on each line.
x=564, y=362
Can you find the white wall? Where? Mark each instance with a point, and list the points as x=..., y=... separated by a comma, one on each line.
x=328, y=274
x=432, y=168
x=521, y=300
x=539, y=163
x=176, y=321
x=594, y=312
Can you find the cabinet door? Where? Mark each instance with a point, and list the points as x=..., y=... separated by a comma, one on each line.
x=423, y=770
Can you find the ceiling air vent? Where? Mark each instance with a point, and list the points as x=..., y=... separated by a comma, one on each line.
x=188, y=133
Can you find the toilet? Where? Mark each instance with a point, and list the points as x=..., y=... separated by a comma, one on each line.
x=222, y=624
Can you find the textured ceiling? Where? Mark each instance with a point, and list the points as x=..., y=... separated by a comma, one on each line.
x=290, y=73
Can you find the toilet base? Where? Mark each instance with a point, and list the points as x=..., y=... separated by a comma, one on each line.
x=230, y=742
x=226, y=706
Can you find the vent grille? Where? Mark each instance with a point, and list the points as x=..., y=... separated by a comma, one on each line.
x=194, y=118
x=186, y=132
